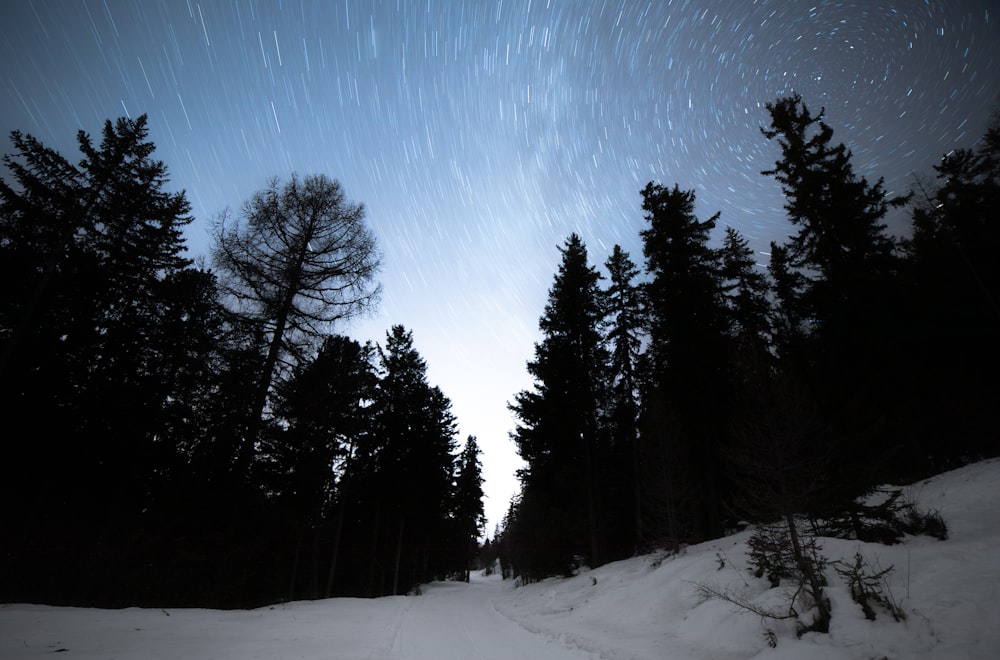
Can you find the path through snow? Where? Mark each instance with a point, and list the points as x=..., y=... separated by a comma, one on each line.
x=450, y=621
x=458, y=621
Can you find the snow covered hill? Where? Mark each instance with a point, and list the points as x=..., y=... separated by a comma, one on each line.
x=643, y=608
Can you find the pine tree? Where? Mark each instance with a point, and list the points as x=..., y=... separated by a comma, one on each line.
x=558, y=422
x=625, y=314
x=684, y=294
x=851, y=298
x=685, y=402
x=745, y=291
x=841, y=245
x=324, y=412
x=786, y=319
x=954, y=347
x=401, y=478
x=469, y=514
x=104, y=333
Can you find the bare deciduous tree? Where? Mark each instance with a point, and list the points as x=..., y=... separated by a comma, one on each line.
x=298, y=259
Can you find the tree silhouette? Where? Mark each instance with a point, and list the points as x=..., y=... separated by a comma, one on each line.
x=851, y=299
x=841, y=246
x=401, y=494
x=684, y=406
x=469, y=514
x=625, y=326
x=559, y=421
x=301, y=259
x=105, y=333
x=955, y=301
x=745, y=291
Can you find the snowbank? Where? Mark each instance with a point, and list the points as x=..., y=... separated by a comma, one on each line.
x=649, y=607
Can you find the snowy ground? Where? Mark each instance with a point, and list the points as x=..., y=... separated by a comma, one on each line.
x=642, y=608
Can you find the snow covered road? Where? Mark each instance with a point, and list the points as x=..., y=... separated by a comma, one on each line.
x=450, y=621
x=457, y=621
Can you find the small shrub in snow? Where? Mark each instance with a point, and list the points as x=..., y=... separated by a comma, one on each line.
x=771, y=554
x=930, y=523
x=869, y=587
x=779, y=552
x=886, y=520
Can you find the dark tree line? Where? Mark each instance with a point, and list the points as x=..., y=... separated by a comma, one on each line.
x=175, y=435
x=673, y=402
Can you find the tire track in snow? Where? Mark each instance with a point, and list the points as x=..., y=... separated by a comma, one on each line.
x=458, y=621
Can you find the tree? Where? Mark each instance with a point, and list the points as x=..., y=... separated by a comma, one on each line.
x=559, y=421
x=684, y=407
x=301, y=259
x=684, y=295
x=851, y=297
x=787, y=318
x=955, y=308
x=105, y=331
x=625, y=322
x=400, y=502
x=469, y=514
x=781, y=460
x=841, y=246
x=839, y=216
x=745, y=292
x=93, y=249
x=107, y=217
x=324, y=412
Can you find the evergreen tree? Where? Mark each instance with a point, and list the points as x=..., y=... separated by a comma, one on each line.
x=955, y=302
x=745, y=291
x=101, y=324
x=625, y=322
x=851, y=298
x=685, y=405
x=401, y=492
x=558, y=423
x=469, y=514
x=786, y=316
x=324, y=412
x=684, y=293
x=841, y=246
x=839, y=216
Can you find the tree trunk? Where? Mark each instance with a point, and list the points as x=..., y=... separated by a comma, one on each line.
x=373, y=563
x=267, y=373
x=340, y=522
x=637, y=491
x=813, y=582
x=246, y=456
x=336, y=549
x=593, y=521
x=399, y=551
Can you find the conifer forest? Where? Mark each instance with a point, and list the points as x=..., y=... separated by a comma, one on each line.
x=198, y=432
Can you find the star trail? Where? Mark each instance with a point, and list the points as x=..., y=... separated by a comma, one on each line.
x=480, y=134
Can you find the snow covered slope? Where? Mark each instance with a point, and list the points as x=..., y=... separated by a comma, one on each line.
x=949, y=591
x=643, y=608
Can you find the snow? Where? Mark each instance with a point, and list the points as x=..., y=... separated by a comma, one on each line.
x=642, y=608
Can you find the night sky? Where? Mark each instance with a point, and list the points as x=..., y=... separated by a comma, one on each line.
x=479, y=135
